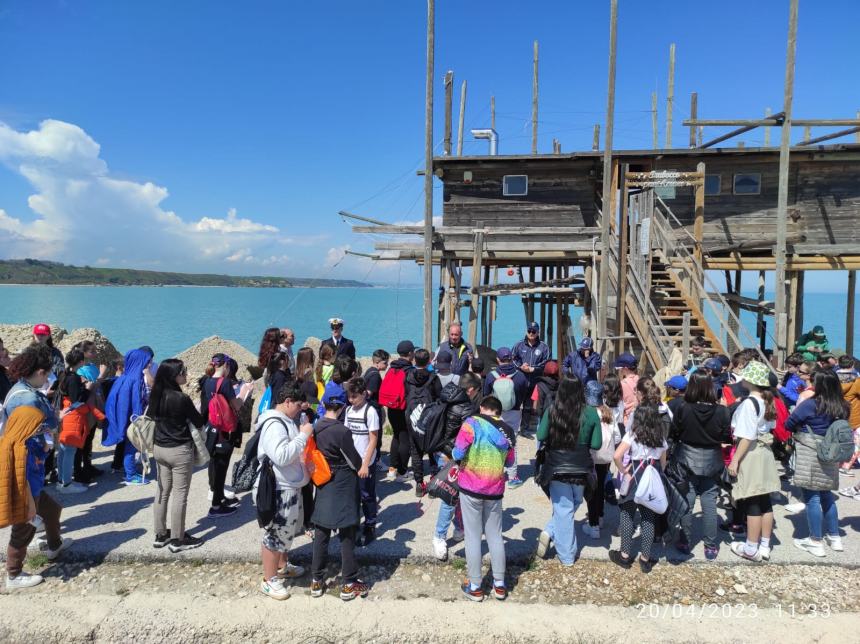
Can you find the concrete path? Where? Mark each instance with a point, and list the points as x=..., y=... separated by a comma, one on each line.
x=111, y=521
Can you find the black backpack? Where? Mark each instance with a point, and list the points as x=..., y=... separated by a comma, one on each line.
x=245, y=469
x=267, y=493
x=430, y=428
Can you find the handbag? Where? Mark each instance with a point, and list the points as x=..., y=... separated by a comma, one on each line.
x=444, y=485
x=201, y=454
x=141, y=434
x=316, y=462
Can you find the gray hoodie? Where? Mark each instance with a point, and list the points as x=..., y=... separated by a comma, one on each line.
x=284, y=444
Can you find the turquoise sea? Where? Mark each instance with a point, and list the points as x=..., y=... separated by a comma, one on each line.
x=171, y=319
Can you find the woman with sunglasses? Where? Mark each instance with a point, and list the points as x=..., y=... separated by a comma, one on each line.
x=173, y=411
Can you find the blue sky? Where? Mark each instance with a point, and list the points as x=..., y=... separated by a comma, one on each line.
x=138, y=133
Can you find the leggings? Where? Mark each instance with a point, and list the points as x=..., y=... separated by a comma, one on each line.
x=649, y=520
x=219, y=464
x=401, y=443
x=348, y=566
x=595, y=503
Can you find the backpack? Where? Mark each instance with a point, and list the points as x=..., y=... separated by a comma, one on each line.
x=245, y=469
x=141, y=434
x=604, y=455
x=221, y=414
x=392, y=391
x=838, y=443
x=503, y=389
x=3, y=415
x=267, y=493
x=316, y=462
x=430, y=426
x=650, y=492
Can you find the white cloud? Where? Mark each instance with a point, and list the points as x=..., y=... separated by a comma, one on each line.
x=335, y=255
x=81, y=212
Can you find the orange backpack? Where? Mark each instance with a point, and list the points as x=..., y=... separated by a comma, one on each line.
x=316, y=463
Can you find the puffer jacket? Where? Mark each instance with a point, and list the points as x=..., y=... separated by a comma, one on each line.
x=15, y=492
x=460, y=407
x=810, y=473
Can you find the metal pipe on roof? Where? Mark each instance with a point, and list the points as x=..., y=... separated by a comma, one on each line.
x=491, y=135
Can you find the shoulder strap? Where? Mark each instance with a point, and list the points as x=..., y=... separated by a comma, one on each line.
x=218, y=385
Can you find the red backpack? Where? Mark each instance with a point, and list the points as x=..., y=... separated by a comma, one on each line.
x=221, y=414
x=392, y=391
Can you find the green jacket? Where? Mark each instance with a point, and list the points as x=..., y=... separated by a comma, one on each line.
x=590, y=432
x=807, y=341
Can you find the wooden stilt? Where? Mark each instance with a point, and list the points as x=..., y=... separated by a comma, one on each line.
x=623, y=240
x=553, y=303
x=543, y=300
x=531, y=299
x=761, y=329
x=849, y=319
x=477, y=258
x=484, y=300
x=795, y=309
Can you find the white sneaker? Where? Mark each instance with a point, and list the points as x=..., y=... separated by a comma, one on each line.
x=544, y=540
x=210, y=495
x=764, y=551
x=71, y=488
x=440, y=548
x=835, y=543
x=228, y=495
x=391, y=477
x=275, y=588
x=23, y=580
x=738, y=548
x=64, y=545
x=38, y=523
x=291, y=571
x=812, y=547
x=852, y=492
x=637, y=532
x=458, y=535
x=794, y=508
x=591, y=531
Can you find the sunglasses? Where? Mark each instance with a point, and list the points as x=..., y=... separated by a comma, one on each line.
x=804, y=373
x=531, y=332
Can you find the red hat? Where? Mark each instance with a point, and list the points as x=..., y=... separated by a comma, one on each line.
x=41, y=329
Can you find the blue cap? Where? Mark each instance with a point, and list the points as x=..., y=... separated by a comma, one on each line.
x=625, y=360
x=533, y=326
x=503, y=353
x=586, y=343
x=712, y=364
x=677, y=382
x=593, y=393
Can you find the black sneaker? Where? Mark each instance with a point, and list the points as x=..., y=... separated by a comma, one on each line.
x=733, y=528
x=235, y=502
x=93, y=471
x=222, y=511
x=646, y=565
x=161, y=540
x=186, y=543
x=420, y=489
x=368, y=535
x=616, y=558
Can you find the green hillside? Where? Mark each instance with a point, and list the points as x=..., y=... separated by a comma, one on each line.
x=35, y=271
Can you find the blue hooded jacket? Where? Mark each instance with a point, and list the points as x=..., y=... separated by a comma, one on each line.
x=126, y=397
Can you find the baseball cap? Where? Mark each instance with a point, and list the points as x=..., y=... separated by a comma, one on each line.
x=818, y=330
x=533, y=326
x=713, y=364
x=625, y=360
x=593, y=393
x=586, y=343
x=443, y=360
x=405, y=346
x=478, y=365
x=41, y=329
x=504, y=353
x=677, y=382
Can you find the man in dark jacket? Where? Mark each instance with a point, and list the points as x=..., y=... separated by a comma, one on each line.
x=422, y=388
x=530, y=357
x=459, y=351
x=342, y=346
x=584, y=363
x=462, y=401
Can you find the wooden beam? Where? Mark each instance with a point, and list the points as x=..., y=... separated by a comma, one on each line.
x=729, y=135
x=484, y=300
x=694, y=110
x=794, y=315
x=800, y=263
x=462, y=120
x=461, y=231
x=623, y=242
x=595, y=142
x=832, y=135
x=477, y=258
x=782, y=193
x=698, y=231
x=655, y=140
x=767, y=113
x=774, y=121
x=428, y=177
x=849, y=317
x=544, y=283
x=449, y=95
x=670, y=96
x=761, y=329
x=607, y=215
x=377, y=222
x=535, y=100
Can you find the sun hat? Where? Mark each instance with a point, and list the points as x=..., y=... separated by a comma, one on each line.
x=593, y=393
x=677, y=382
x=41, y=329
x=756, y=373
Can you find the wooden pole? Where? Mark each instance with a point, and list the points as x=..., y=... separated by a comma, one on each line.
x=699, y=228
x=795, y=288
x=623, y=237
x=535, y=101
x=428, y=178
x=759, y=327
x=492, y=308
x=685, y=337
x=531, y=299
x=553, y=302
x=849, y=319
x=807, y=133
x=670, y=97
x=595, y=142
x=462, y=120
x=543, y=300
x=484, y=301
x=607, y=215
x=477, y=258
x=694, y=112
x=493, y=112
x=782, y=196
x=449, y=95
x=655, y=143
x=701, y=132
x=767, y=113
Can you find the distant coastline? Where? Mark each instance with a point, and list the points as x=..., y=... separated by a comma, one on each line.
x=34, y=272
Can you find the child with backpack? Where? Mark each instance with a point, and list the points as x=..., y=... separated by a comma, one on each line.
x=363, y=422
x=338, y=502
x=392, y=396
x=483, y=450
x=423, y=387
x=610, y=438
x=510, y=386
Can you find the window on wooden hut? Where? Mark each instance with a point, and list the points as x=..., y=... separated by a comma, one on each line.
x=515, y=185
x=713, y=184
x=747, y=184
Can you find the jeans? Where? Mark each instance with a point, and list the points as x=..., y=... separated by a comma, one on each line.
x=706, y=489
x=128, y=460
x=65, y=462
x=367, y=488
x=512, y=418
x=566, y=498
x=483, y=516
x=175, y=467
x=446, y=514
x=821, y=513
